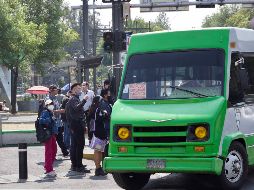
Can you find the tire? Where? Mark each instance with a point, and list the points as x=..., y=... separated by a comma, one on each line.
x=235, y=167
x=131, y=181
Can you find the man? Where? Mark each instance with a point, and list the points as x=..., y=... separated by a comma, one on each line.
x=106, y=86
x=75, y=117
x=53, y=91
x=90, y=94
x=67, y=134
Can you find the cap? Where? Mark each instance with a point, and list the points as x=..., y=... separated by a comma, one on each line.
x=48, y=102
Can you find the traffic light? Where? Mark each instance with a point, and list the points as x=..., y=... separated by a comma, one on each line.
x=205, y=6
x=108, y=38
x=120, y=41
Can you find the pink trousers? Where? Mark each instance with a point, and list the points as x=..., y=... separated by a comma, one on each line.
x=50, y=153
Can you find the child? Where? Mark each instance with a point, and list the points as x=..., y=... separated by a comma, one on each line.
x=46, y=119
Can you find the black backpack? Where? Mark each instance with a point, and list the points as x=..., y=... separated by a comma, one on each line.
x=43, y=132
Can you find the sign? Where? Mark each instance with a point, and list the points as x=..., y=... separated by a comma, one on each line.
x=162, y=9
x=248, y=6
x=126, y=11
x=137, y=91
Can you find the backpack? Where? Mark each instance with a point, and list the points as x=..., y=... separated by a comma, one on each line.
x=43, y=132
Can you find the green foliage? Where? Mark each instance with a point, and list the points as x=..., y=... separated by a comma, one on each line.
x=52, y=14
x=161, y=22
x=230, y=16
x=139, y=25
x=19, y=39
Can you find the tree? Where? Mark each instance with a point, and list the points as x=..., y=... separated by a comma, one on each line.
x=51, y=13
x=139, y=25
x=19, y=40
x=161, y=22
x=230, y=16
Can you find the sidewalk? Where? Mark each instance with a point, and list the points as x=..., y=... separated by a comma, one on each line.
x=9, y=171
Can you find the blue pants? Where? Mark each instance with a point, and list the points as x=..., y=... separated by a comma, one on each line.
x=67, y=135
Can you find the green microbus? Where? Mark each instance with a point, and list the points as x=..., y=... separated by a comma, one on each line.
x=185, y=105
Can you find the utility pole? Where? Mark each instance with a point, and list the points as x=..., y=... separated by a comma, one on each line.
x=94, y=49
x=117, y=19
x=85, y=35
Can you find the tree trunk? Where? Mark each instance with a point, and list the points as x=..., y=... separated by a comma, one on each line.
x=14, y=79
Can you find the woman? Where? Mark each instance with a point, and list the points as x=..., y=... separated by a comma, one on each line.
x=99, y=139
x=46, y=120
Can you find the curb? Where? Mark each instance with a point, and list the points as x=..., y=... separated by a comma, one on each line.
x=88, y=156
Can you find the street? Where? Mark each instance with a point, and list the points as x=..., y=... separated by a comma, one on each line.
x=68, y=180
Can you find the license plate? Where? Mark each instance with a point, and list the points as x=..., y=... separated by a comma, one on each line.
x=156, y=164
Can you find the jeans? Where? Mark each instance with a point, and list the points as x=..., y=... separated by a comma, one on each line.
x=60, y=142
x=67, y=135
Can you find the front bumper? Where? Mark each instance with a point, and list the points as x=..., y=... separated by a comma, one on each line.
x=174, y=165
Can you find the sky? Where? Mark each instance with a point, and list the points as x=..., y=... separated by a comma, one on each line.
x=179, y=20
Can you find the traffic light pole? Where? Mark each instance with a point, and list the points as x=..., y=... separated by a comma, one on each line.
x=117, y=24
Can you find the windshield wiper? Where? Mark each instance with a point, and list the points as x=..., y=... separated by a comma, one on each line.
x=195, y=93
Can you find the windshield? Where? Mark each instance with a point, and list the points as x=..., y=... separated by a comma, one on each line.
x=171, y=75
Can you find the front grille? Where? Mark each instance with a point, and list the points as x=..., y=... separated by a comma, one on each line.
x=161, y=129
x=160, y=139
x=160, y=134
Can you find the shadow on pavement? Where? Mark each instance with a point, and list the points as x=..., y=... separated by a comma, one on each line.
x=182, y=182
x=98, y=177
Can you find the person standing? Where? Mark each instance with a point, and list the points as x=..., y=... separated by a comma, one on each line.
x=67, y=133
x=98, y=143
x=90, y=94
x=101, y=133
x=75, y=116
x=53, y=91
x=107, y=86
x=46, y=119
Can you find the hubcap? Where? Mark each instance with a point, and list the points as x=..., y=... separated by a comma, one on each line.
x=233, y=166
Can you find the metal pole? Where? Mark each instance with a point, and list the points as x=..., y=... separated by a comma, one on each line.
x=174, y=4
x=69, y=73
x=1, y=132
x=94, y=49
x=85, y=34
x=22, y=161
x=117, y=19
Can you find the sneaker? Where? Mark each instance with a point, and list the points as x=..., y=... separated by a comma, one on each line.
x=100, y=172
x=73, y=168
x=82, y=169
x=51, y=174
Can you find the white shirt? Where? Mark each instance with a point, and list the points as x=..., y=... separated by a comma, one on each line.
x=89, y=101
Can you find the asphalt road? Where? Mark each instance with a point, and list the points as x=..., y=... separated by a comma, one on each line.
x=69, y=180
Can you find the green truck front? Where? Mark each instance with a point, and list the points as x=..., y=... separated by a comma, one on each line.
x=171, y=106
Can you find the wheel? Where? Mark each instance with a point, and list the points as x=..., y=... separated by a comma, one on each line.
x=235, y=167
x=131, y=181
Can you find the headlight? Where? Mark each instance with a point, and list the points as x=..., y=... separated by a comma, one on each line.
x=122, y=133
x=198, y=132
